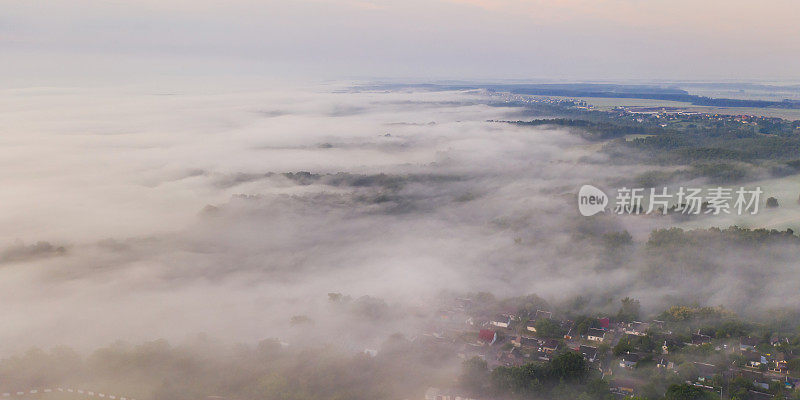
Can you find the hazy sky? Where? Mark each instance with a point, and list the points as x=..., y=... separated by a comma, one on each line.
x=46, y=40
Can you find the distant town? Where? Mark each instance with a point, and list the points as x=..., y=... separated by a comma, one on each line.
x=662, y=116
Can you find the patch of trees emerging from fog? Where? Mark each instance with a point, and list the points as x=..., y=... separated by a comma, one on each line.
x=565, y=375
x=723, y=150
x=671, y=238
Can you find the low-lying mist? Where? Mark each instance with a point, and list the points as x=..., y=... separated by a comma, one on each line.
x=147, y=215
x=138, y=215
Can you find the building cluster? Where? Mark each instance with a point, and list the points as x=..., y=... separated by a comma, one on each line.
x=663, y=116
x=680, y=118
x=522, y=100
x=517, y=338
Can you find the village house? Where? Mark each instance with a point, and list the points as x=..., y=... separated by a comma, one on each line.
x=501, y=320
x=666, y=364
x=705, y=372
x=538, y=316
x=595, y=335
x=550, y=345
x=777, y=339
x=487, y=336
x=791, y=382
x=629, y=360
x=526, y=342
x=567, y=327
x=699, y=339
x=748, y=344
x=637, y=328
x=623, y=387
x=758, y=379
x=541, y=356
x=779, y=364
x=589, y=352
x=754, y=359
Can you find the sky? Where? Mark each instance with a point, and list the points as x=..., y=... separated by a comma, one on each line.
x=89, y=41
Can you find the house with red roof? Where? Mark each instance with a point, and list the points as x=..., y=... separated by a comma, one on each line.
x=487, y=335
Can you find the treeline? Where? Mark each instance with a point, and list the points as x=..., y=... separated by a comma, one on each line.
x=594, y=129
x=566, y=377
x=566, y=372
x=385, y=181
x=703, y=146
x=725, y=151
x=671, y=238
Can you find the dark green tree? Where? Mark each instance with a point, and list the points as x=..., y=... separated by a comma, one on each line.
x=569, y=366
x=548, y=328
x=629, y=311
x=685, y=392
x=772, y=202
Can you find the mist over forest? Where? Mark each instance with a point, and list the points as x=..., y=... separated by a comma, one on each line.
x=399, y=200
x=208, y=243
